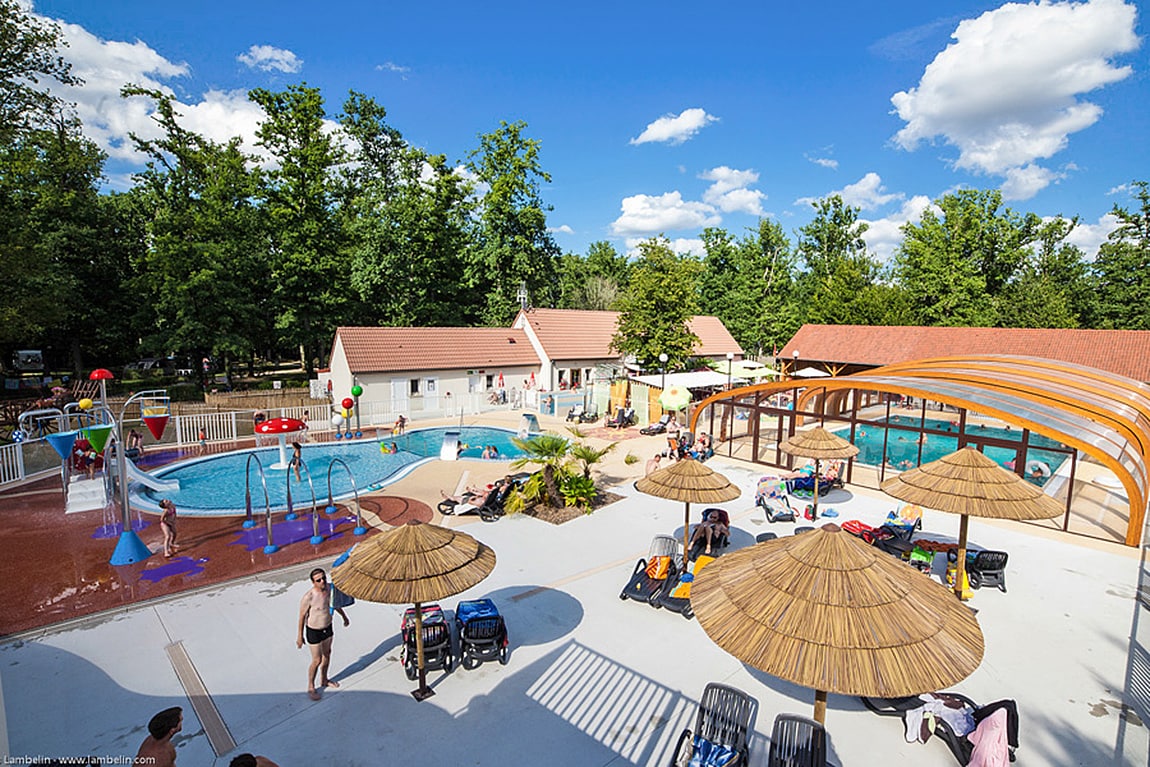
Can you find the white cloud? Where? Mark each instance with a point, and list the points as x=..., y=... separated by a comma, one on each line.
x=1007, y=91
x=267, y=58
x=1027, y=181
x=867, y=193
x=1120, y=189
x=1088, y=237
x=825, y=162
x=729, y=192
x=390, y=66
x=693, y=246
x=675, y=129
x=649, y=214
x=561, y=229
x=883, y=235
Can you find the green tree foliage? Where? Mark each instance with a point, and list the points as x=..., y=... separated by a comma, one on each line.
x=1053, y=287
x=309, y=271
x=595, y=281
x=65, y=252
x=953, y=267
x=207, y=273
x=408, y=219
x=841, y=283
x=1123, y=267
x=655, y=311
x=30, y=63
x=550, y=452
x=750, y=286
x=513, y=245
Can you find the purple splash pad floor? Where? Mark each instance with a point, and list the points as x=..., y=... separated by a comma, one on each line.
x=285, y=533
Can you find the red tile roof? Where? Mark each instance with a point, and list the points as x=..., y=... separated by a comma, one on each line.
x=382, y=350
x=574, y=334
x=1126, y=352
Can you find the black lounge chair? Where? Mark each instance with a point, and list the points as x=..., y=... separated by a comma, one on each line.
x=645, y=588
x=777, y=506
x=482, y=633
x=718, y=541
x=987, y=568
x=797, y=741
x=624, y=417
x=803, y=485
x=658, y=427
x=959, y=745
x=723, y=722
x=470, y=504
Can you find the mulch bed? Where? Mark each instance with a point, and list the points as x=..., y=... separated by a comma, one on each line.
x=558, y=516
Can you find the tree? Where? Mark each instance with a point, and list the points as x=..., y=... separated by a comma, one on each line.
x=1052, y=288
x=595, y=281
x=1122, y=267
x=29, y=54
x=514, y=245
x=750, y=286
x=655, y=312
x=549, y=451
x=841, y=284
x=953, y=267
x=207, y=273
x=309, y=263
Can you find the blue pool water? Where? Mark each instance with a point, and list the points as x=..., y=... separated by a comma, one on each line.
x=902, y=450
x=215, y=484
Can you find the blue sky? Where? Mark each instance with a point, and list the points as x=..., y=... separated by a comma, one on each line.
x=664, y=118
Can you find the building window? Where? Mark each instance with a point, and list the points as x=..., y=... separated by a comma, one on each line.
x=415, y=387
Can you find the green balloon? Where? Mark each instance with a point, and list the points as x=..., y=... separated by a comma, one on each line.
x=356, y=390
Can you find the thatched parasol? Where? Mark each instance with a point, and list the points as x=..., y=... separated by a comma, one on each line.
x=818, y=443
x=968, y=483
x=827, y=611
x=689, y=481
x=414, y=563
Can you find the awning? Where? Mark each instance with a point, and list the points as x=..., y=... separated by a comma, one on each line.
x=699, y=379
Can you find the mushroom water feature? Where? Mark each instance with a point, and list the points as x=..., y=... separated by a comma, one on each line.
x=281, y=427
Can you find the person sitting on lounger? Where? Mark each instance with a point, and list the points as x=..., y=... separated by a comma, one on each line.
x=710, y=529
x=469, y=493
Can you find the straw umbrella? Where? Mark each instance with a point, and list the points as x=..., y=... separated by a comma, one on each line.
x=689, y=481
x=818, y=443
x=414, y=563
x=968, y=483
x=825, y=610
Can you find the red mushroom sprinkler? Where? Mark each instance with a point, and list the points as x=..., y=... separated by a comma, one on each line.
x=281, y=427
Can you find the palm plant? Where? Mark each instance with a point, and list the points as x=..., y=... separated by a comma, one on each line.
x=550, y=451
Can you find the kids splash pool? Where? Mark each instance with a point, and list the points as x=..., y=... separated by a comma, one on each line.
x=902, y=446
x=214, y=486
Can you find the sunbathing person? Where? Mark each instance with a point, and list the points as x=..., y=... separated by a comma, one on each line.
x=468, y=493
x=710, y=529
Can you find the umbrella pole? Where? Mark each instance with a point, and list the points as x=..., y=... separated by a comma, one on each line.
x=960, y=565
x=686, y=534
x=423, y=692
x=815, y=505
x=821, y=706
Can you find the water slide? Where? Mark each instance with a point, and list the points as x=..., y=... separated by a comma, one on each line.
x=449, y=450
x=146, y=479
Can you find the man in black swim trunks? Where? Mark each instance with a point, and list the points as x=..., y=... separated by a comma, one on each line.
x=315, y=622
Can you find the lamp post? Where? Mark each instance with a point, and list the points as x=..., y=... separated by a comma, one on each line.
x=730, y=408
x=795, y=364
x=663, y=365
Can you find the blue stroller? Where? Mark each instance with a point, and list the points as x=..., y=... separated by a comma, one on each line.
x=482, y=633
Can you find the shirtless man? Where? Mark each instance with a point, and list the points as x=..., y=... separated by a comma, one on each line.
x=157, y=749
x=315, y=621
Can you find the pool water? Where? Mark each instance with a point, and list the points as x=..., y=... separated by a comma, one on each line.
x=215, y=485
x=902, y=450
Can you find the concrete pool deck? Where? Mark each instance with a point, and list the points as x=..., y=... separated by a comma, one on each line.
x=592, y=680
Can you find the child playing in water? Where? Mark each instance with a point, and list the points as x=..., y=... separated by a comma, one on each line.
x=168, y=525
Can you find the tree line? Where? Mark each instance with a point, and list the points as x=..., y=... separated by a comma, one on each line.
x=242, y=253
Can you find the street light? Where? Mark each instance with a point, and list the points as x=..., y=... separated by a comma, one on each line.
x=663, y=364
x=730, y=363
x=730, y=409
x=795, y=366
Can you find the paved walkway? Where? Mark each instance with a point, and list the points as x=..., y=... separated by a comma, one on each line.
x=592, y=680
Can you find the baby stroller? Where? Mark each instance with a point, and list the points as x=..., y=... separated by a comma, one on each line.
x=661, y=566
x=771, y=497
x=482, y=633
x=436, y=642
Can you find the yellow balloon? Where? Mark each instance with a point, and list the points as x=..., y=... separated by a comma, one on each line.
x=346, y=413
x=85, y=404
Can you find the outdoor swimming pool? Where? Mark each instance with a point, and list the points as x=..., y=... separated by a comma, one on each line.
x=902, y=449
x=214, y=485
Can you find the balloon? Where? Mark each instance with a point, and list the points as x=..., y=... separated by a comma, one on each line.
x=337, y=420
x=346, y=413
x=347, y=403
x=85, y=404
x=356, y=390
